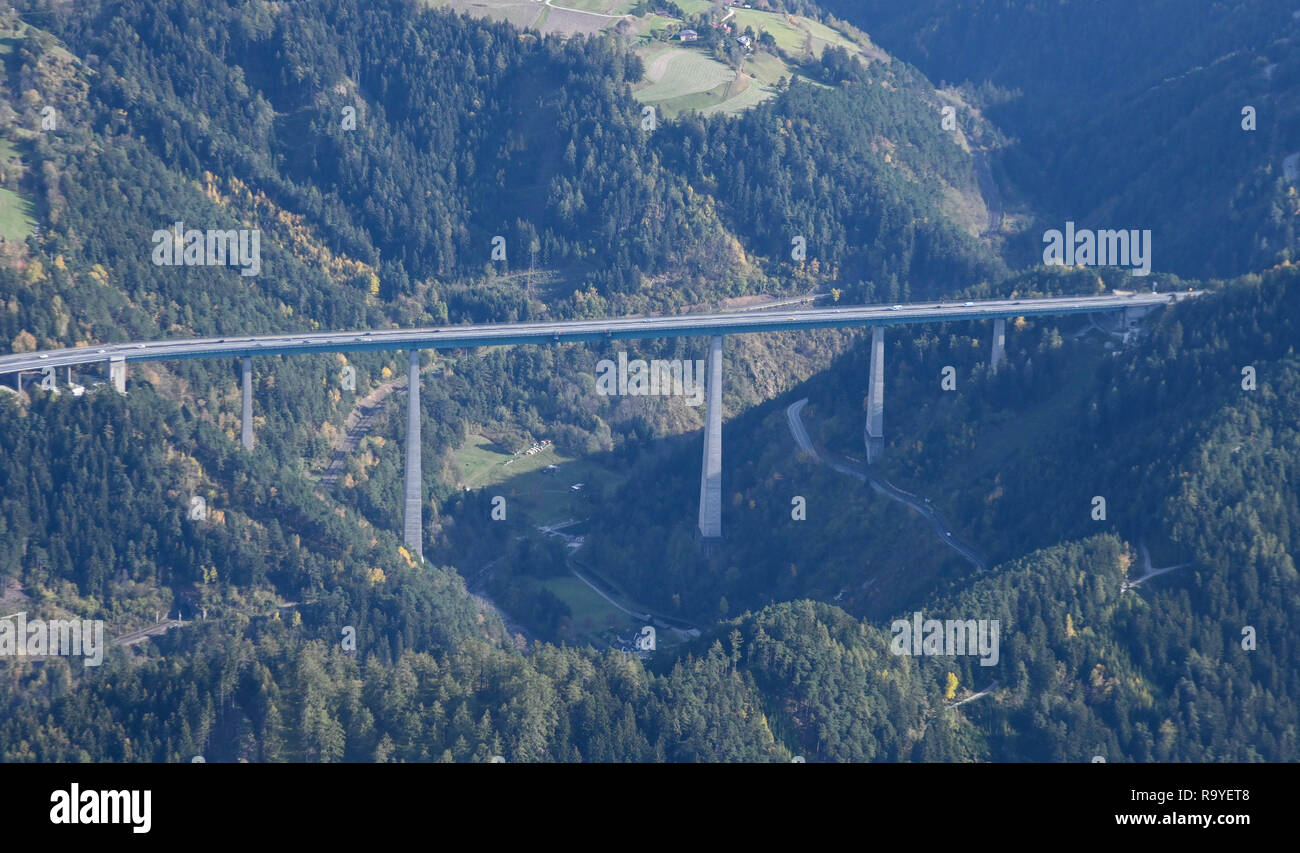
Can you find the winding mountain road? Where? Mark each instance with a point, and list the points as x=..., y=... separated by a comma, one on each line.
x=922, y=505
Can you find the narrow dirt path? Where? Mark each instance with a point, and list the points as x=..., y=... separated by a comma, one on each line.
x=356, y=427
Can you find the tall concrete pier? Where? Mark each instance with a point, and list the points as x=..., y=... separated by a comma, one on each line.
x=412, y=532
x=999, y=343
x=246, y=419
x=711, y=469
x=117, y=374
x=875, y=429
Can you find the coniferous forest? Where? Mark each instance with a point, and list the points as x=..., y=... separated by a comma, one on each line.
x=408, y=164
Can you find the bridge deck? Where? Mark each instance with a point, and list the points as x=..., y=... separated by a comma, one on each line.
x=622, y=328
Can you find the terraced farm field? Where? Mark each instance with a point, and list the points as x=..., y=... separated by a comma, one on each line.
x=572, y=21
x=789, y=36
x=796, y=34
x=757, y=83
x=606, y=7
x=683, y=79
x=674, y=72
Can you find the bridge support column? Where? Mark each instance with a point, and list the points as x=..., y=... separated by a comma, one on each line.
x=412, y=519
x=875, y=429
x=999, y=343
x=117, y=374
x=711, y=469
x=246, y=418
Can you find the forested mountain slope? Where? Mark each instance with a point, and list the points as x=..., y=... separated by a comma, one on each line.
x=311, y=634
x=1127, y=115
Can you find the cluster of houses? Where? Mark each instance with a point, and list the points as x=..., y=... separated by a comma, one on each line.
x=537, y=448
x=692, y=35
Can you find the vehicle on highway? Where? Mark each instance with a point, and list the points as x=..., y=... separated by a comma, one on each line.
x=969, y=304
x=897, y=308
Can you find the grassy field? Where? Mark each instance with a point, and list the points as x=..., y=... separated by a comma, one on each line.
x=646, y=29
x=17, y=216
x=547, y=499
x=605, y=7
x=544, y=498
x=683, y=79
x=570, y=22
x=694, y=7
x=789, y=37
x=484, y=464
x=761, y=73
x=796, y=33
x=757, y=82
x=824, y=35
x=521, y=13
x=675, y=72
x=593, y=616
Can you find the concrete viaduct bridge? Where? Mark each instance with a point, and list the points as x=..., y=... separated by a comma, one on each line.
x=715, y=326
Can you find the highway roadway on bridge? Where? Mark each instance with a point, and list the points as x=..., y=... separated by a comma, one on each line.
x=622, y=328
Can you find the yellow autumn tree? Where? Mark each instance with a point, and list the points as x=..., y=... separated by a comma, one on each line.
x=34, y=272
x=951, y=690
x=24, y=341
